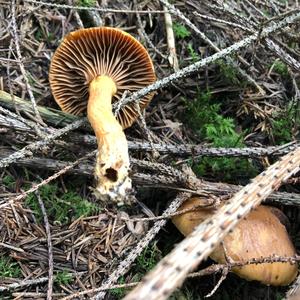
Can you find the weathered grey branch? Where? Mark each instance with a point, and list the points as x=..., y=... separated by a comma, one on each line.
x=290, y=19
x=27, y=150
x=229, y=60
x=294, y=292
x=59, y=118
x=30, y=282
x=194, y=152
x=271, y=43
x=87, y=169
x=20, y=63
x=212, y=269
x=173, y=269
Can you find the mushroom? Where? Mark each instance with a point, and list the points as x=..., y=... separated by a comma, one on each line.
x=260, y=234
x=89, y=71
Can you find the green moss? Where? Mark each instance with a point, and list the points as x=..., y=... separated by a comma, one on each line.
x=183, y=294
x=180, y=31
x=204, y=117
x=8, y=181
x=61, y=207
x=38, y=35
x=86, y=3
x=228, y=72
x=63, y=277
x=280, y=68
x=144, y=263
x=119, y=293
x=148, y=259
x=9, y=268
x=193, y=54
x=285, y=123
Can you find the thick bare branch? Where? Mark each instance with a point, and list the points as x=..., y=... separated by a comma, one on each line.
x=51, y=116
x=60, y=119
x=157, y=181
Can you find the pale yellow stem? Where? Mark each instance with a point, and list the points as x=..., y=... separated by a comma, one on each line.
x=112, y=164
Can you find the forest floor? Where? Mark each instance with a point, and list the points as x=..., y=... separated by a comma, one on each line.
x=227, y=119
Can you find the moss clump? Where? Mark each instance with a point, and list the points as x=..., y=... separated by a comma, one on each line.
x=61, y=207
x=204, y=117
x=9, y=268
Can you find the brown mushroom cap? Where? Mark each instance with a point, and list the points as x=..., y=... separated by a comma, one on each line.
x=87, y=53
x=260, y=234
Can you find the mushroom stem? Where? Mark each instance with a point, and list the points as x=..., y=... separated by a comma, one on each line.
x=112, y=164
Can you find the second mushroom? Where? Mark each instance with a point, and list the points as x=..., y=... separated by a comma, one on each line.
x=90, y=70
x=260, y=234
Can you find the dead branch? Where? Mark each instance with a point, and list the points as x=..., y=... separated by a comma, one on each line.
x=50, y=249
x=27, y=150
x=60, y=119
x=294, y=292
x=173, y=61
x=34, y=188
x=22, y=68
x=182, y=17
x=54, y=117
x=157, y=181
x=29, y=282
x=271, y=43
x=145, y=36
x=213, y=269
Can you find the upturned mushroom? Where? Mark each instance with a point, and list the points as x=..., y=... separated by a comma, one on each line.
x=260, y=234
x=90, y=70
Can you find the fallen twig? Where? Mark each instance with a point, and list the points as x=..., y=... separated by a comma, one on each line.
x=46, y=181
x=21, y=65
x=213, y=269
x=271, y=43
x=50, y=249
x=27, y=150
x=51, y=116
x=294, y=292
x=157, y=181
x=171, y=41
x=29, y=282
x=60, y=118
x=101, y=9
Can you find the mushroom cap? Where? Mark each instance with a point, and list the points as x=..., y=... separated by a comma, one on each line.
x=87, y=53
x=260, y=234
